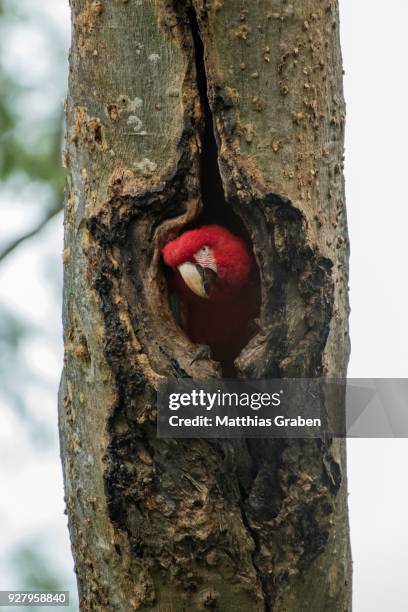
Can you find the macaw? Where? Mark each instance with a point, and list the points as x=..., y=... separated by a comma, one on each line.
x=213, y=277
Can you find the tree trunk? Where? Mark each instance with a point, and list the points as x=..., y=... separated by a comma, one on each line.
x=232, y=111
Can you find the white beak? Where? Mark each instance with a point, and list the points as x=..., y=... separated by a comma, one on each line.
x=193, y=279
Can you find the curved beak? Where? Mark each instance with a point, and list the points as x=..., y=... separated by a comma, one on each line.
x=197, y=278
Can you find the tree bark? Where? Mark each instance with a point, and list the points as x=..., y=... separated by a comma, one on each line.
x=229, y=111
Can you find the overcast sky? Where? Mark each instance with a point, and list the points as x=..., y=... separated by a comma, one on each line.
x=375, y=55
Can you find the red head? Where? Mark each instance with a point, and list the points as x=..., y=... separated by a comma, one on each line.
x=212, y=261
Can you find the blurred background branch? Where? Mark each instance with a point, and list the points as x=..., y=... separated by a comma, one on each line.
x=31, y=233
x=35, y=159
x=34, y=39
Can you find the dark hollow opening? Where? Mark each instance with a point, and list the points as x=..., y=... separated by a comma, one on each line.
x=217, y=211
x=215, y=208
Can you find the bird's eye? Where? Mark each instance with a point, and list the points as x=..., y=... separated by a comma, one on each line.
x=204, y=250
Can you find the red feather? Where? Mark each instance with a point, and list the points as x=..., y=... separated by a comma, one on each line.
x=222, y=320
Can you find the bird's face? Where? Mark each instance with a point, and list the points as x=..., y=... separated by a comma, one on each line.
x=212, y=262
x=200, y=274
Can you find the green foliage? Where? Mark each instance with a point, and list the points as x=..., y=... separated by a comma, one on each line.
x=33, y=570
x=41, y=161
x=30, y=154
x=36, y=574
x=12, y=332
x=31, y=150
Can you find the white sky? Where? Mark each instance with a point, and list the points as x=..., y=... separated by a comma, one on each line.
x=376, y=88
x=374, y=50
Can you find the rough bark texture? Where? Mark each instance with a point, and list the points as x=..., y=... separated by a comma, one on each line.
x=160, y=91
